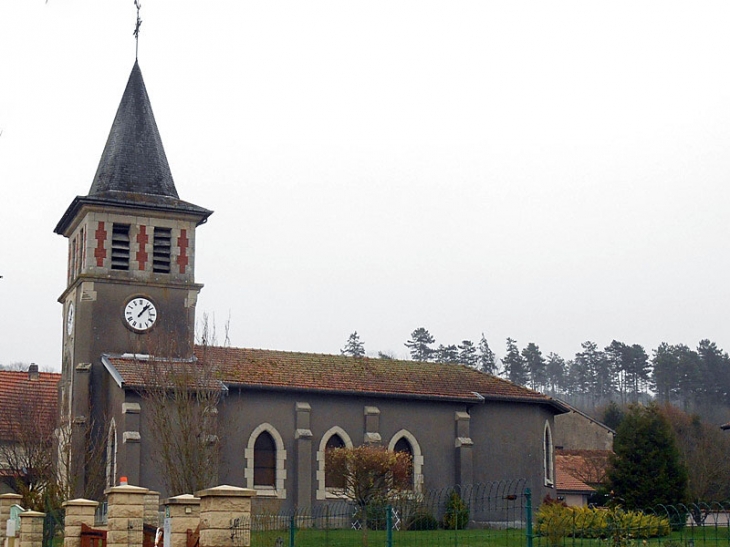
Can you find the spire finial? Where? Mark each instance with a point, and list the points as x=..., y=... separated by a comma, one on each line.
x=136, y=29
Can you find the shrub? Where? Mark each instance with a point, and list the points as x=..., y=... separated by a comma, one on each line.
x=422, y=520
x=457, y=513
x=556, y=521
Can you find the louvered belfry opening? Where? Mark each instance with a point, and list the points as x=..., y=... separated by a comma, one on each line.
x=120, y=247
x=162, y=247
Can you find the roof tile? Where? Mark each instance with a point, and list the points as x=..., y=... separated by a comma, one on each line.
x=17, y=392
x=270, y=369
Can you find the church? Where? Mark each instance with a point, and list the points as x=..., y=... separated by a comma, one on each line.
x=130, y=304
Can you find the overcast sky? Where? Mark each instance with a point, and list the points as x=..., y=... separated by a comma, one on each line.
x=555, y=171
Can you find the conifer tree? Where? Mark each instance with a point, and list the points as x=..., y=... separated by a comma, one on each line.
x=645, y=469
x=419, y=345
x=468, y=353
x=486, y=360
x=514, y=364
x=354, y=347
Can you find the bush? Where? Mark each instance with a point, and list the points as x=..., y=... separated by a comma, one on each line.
x=422, y=520
x=457, y=513
x=556, y=521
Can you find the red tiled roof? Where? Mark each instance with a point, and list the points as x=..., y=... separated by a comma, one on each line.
x=565, y=482
x=588, y=466
x=34, y=399
x=269, y=369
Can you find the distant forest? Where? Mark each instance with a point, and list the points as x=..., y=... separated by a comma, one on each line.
x=694, y=380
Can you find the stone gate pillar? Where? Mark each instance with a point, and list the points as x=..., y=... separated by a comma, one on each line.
x=31, y=529
x=78, y=512
x=184, y=514
x=6, y=502
x=125, y=515
x=218, y=507
x=152, y=508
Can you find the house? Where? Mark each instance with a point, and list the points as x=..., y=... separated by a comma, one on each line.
x=583, y=448
x=128, y=330
x=576, y=430
x=28, y=416
x=570, y=490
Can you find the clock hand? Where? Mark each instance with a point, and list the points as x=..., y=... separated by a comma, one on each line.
x=143, y=310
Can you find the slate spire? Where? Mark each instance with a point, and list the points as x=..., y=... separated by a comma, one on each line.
x=133, y=169
x=134, y=159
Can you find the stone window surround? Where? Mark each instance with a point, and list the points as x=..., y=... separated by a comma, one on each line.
x=277, y=491
x=111, y=454
x=322, y=491
x=548, y=462
x=417, y=456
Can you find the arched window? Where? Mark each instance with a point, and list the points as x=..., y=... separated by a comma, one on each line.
x=111, y=455
x=548, y=465
x=327, y=485
x=404, y=446
x=404, y=441
x=264, y=460
x=333, y=479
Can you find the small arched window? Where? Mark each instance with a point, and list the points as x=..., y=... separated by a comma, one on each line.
x=405, y=447
x=264, y=460
x=111, y=455
x=332, y=479
x=548, y=456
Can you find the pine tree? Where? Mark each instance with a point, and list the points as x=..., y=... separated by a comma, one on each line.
x=354, y=347
x=555, y=371
x=419, y=345
x=645, y=469
x=468, y=353
x=486, y=360
x=514, y=364
x=535, y=363
x=447, y=354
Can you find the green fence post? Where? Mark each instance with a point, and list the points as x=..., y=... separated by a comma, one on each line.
x=292, y=530
x=389, y=525
x=528, y=510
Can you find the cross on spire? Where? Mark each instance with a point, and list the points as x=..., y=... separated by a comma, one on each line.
x=136, y=29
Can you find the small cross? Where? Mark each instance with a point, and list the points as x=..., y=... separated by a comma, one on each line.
x=136, y=29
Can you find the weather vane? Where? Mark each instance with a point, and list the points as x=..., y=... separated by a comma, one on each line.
x=136, y=29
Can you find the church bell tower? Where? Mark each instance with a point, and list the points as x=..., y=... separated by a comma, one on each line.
x=131, y=257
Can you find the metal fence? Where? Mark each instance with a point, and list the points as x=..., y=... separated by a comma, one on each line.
x=695, y=525
x=461, y=516
x=494, y=515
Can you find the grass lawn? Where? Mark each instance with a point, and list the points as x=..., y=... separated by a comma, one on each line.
x=700, y=537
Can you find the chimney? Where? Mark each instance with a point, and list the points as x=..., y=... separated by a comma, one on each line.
x=33, y=372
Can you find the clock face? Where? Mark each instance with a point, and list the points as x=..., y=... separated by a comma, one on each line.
x=70, y=319
x=140, y=314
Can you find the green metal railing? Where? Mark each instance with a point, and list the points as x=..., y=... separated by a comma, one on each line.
x=497, y=515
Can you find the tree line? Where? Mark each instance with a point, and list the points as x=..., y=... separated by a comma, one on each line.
x=693, y=379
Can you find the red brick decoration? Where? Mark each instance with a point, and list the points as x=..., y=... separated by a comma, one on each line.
x=183, y=243
x=142, y=239
x=100, y=251
x=83, y=248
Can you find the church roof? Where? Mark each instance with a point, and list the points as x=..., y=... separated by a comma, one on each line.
x=133, y=169
x=280, y=370
x=22, y=397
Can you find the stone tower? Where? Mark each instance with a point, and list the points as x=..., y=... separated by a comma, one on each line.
x=130, y=286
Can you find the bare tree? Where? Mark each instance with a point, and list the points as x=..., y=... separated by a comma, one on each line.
x=180, y=399
x=27, y=440
x=180, y=405
x=90, y=448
